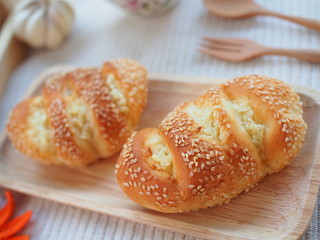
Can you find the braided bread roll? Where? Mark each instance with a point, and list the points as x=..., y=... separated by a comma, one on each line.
x=82, y=115
x=209, y=150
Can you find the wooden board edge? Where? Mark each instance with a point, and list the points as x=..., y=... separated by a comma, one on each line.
x=303, y=222
x=129, y=215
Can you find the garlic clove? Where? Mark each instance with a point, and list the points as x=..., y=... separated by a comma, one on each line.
x=19, y=21
x=53, y=37
x=33, y=31
x=63, y=18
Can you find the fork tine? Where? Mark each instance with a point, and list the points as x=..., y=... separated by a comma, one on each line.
x=219, y=48
x=224, y=41
x=223, y=55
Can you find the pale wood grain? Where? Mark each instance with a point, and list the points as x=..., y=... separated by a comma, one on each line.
x=280, y=207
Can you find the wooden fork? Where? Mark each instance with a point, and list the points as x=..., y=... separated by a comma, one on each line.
x=239, y=49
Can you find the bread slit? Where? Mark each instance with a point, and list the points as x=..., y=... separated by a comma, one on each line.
x=115, y=91
x=39, y=129
x=204, y=117
x=161, y=157
x=240, y=109
x=78, y=116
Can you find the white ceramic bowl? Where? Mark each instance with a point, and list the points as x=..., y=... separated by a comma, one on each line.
x=146, y=7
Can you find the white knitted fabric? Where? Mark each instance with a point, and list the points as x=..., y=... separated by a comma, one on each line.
x=166, y=44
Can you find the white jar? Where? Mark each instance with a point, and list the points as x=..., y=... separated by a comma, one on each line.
x=146, y=7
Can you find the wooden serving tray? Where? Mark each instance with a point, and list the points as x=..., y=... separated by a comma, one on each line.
x=280, y=207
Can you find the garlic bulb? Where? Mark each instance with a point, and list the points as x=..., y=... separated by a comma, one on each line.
x=43, y=23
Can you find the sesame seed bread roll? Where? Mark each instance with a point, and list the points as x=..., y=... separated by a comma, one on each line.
x=209, y=150
x=82, y=115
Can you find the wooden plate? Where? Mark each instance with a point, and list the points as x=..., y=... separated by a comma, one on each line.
x=280, y=207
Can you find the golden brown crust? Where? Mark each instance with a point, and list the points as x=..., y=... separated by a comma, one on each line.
x=208, y=170
x=18, y=129
x=82, y=115
x=132, y=79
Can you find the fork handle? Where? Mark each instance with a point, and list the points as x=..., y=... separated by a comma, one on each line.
x=310, y=23
x=309, y=55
